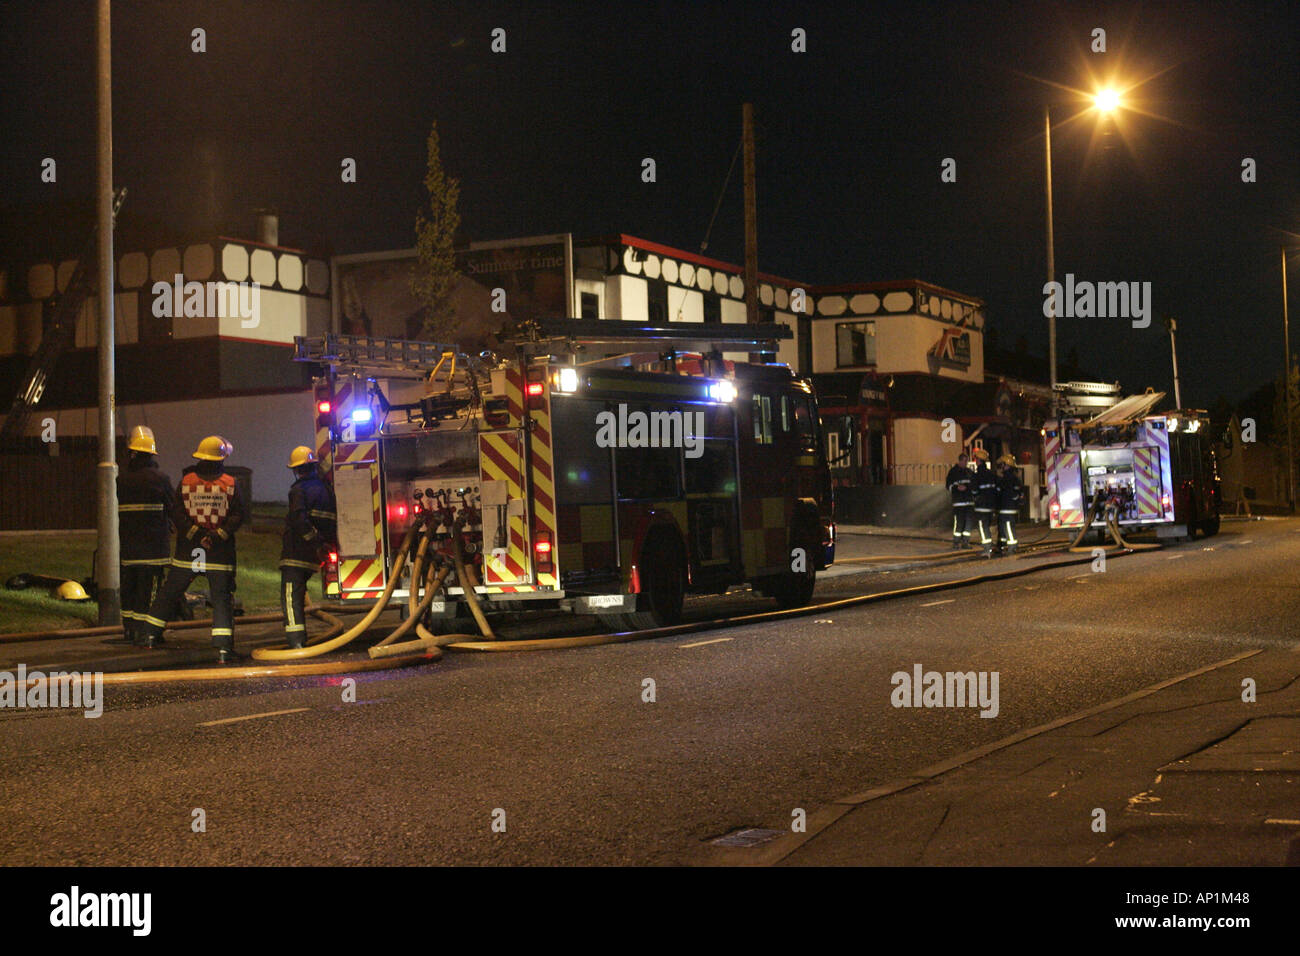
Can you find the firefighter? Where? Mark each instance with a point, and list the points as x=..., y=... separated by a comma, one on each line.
x=1009, y=494
x=963, y=501
x=144, y=506
x=310, y=529
x=209, y=510
x=986, y=499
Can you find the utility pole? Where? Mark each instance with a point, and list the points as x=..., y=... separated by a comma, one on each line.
x=1286, y=391
x=1051, y=259
x=107, y=572
x=1172, y=325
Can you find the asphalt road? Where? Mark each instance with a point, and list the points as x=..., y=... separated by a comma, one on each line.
x=747, y=725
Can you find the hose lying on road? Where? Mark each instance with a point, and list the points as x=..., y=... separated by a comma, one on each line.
x=297, y=653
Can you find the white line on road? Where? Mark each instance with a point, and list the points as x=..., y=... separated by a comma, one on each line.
x=716, y=640
x=1175, y=557
x=269, y=713
x=1285, y=823
x=935, y=603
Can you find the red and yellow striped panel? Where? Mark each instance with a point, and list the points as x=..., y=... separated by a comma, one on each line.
x=543, y=474
x=1051, y=451
x=323, y=392
x=1146, y=480
x=499, y=460
x=356, y=452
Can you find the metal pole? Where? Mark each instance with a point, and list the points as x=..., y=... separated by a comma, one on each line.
x=107, y=572
x=751, y=218
x=1286, y=391
x=1051, y=257
x=1173, y=350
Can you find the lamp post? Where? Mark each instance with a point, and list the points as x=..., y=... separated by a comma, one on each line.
x=1286, y=391
x=1104, y=101
x=1172, y=325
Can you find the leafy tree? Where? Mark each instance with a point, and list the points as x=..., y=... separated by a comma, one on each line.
x=435, y=276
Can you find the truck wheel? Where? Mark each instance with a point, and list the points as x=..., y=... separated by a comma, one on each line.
x=794, y=588
x=1210, y=526
x=663, y=585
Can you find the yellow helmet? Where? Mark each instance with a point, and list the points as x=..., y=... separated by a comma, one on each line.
x=72, y=591
x=142, y=440
x=1008, y=460
x=979, y=454
x=302, y=455
x=213, y=448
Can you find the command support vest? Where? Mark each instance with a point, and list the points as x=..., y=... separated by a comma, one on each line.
x=208, y=505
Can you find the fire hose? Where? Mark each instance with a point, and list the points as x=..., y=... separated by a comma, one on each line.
x=324, y=647
x=427, y=640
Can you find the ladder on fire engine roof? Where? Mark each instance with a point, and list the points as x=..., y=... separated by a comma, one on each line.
x=359, y=351
x=1125, y=411
x=605, y=336
x=56, y=337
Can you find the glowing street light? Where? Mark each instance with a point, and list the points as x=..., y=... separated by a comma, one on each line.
x=1107, y=100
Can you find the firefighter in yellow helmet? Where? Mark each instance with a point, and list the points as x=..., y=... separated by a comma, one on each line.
x=310, y=530
x=209, y=510
x=985, y=487
x=1009, y=498
x=145, y=501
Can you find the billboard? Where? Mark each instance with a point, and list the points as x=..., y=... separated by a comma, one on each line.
x=502, y=283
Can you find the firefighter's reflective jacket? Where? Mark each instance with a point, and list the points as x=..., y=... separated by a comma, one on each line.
x=986, y=489
x=960, y=480
x=310, y=524
x=1009, y=492
x=208, y=506
x=145, y=502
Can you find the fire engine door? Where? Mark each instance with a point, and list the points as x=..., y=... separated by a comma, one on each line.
x=505, y=515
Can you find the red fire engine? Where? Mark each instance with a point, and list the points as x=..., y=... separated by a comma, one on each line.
x=601, y=467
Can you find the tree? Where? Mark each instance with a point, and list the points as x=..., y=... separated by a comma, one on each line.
x=435, y=275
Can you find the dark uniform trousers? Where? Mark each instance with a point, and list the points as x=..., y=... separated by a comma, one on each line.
x=221, y=592
x=293, y=602
x=140, y=584
x=961, y=522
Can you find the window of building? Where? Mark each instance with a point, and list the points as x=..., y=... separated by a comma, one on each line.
x=590, y=305
x=657, y=303
x=855, y=344
x=712, y=307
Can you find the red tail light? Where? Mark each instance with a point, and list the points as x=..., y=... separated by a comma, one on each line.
x=323, y=407
x=334, y=557
x=534, y=389
x=542, y=552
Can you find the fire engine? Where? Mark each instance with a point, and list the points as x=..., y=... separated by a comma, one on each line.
x=1143, y=469
x=593, y=466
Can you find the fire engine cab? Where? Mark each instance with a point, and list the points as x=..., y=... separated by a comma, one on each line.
x=597, y=467
x=1143, y=469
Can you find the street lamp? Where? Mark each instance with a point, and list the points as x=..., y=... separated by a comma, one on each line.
x=1172, y=325
x=1105, y=101
x=1286, y=391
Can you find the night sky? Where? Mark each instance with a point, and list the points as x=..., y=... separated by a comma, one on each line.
x=549, y=137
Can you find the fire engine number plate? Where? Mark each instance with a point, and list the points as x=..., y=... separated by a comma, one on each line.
x=605, y=600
